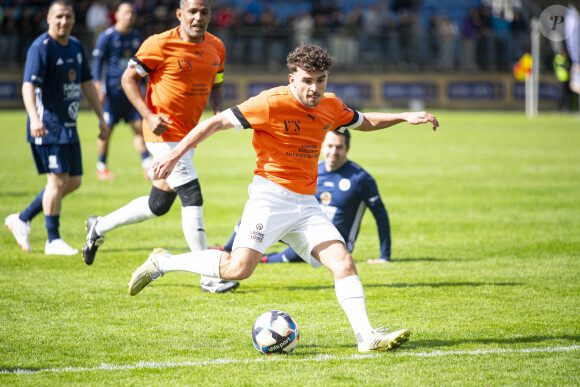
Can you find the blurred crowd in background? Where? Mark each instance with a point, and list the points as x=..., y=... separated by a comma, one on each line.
x=363, y=35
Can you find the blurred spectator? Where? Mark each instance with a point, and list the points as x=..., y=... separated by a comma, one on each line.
x=433, y=36
x=162, y=17
x=98, y=19
x=321, y=11
x=248, y=48
x=469, y=32
x=32, y=23
x=519, y=36
x=447, y=34
x=321, y=29
x=486, y=40
x=344, y=31
x=391, y=42
x=302, y=28
x=274, y=47
x=371, y=33
x=9, y=34
x=223, y=22
x=352, y=26
x=502, y=47
x=411, y=39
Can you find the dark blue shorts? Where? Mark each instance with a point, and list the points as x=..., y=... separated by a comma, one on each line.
x=58, y=158
x=117, y=108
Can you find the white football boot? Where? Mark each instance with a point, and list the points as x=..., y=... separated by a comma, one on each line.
x=147, y=272
x=20, y=230
x=216, y=285
x=59, y=247
x=383, y=340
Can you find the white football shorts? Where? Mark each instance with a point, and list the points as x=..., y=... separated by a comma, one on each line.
x=274, y=213
x=184, y=171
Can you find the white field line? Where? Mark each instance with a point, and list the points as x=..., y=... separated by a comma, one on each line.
x=320, y=358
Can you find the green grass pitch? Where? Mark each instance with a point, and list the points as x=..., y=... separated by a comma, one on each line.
x=485, y=217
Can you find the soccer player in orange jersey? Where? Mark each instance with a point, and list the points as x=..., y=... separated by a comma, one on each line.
x=289, y=123
x=185, y=67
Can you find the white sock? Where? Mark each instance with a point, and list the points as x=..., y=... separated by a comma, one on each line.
x=351, y=296
x=134, y=212
x=205, y=262
x=194, y=231
x=146, y=163
x=193, y=228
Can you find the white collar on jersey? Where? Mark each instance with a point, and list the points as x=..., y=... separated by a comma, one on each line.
x=295, y=94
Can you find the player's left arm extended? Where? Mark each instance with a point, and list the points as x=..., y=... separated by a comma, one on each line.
x=92, y=95
x=371, y=196
x=376, y=121
x=165, y=164
x=216, y=97
x=383, y=227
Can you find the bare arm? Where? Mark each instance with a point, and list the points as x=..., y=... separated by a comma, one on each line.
x=216, y=97
x=99, y=86
x=37, y=128
x=130, y=82
x=165, y=164
x=377, y=121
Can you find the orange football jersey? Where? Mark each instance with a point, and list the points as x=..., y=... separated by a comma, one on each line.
x=288, y=135
x=181, y=76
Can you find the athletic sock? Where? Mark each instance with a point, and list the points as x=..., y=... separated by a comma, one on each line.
x=193, y=228
x=206, y=263
x=52, y=224
x=101, y=165
x=136, y=211
x=146, y=160
x=194, y=232
x=350, y=295
x=33, y=209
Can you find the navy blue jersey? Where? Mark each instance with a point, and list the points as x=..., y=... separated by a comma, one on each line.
x=110, y=57
x=57, y=72
x=344, y=195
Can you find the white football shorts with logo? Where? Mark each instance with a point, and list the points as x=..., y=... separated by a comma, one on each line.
x=274, y=213
x=184, y=171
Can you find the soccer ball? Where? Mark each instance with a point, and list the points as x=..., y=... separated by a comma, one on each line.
x=275, y=332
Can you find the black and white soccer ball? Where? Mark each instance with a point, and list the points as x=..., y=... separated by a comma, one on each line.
x=275, y=332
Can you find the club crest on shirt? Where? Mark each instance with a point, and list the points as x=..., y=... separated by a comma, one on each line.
x=72, y=75
x=325, y=198
x=344, y=184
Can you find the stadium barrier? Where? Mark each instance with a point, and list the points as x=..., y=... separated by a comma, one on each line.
x=376, y=91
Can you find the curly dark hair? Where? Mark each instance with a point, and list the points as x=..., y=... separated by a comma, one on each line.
x=308, y=57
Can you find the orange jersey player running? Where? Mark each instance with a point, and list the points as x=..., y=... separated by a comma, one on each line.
x=289, y=126
x=185, y=67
